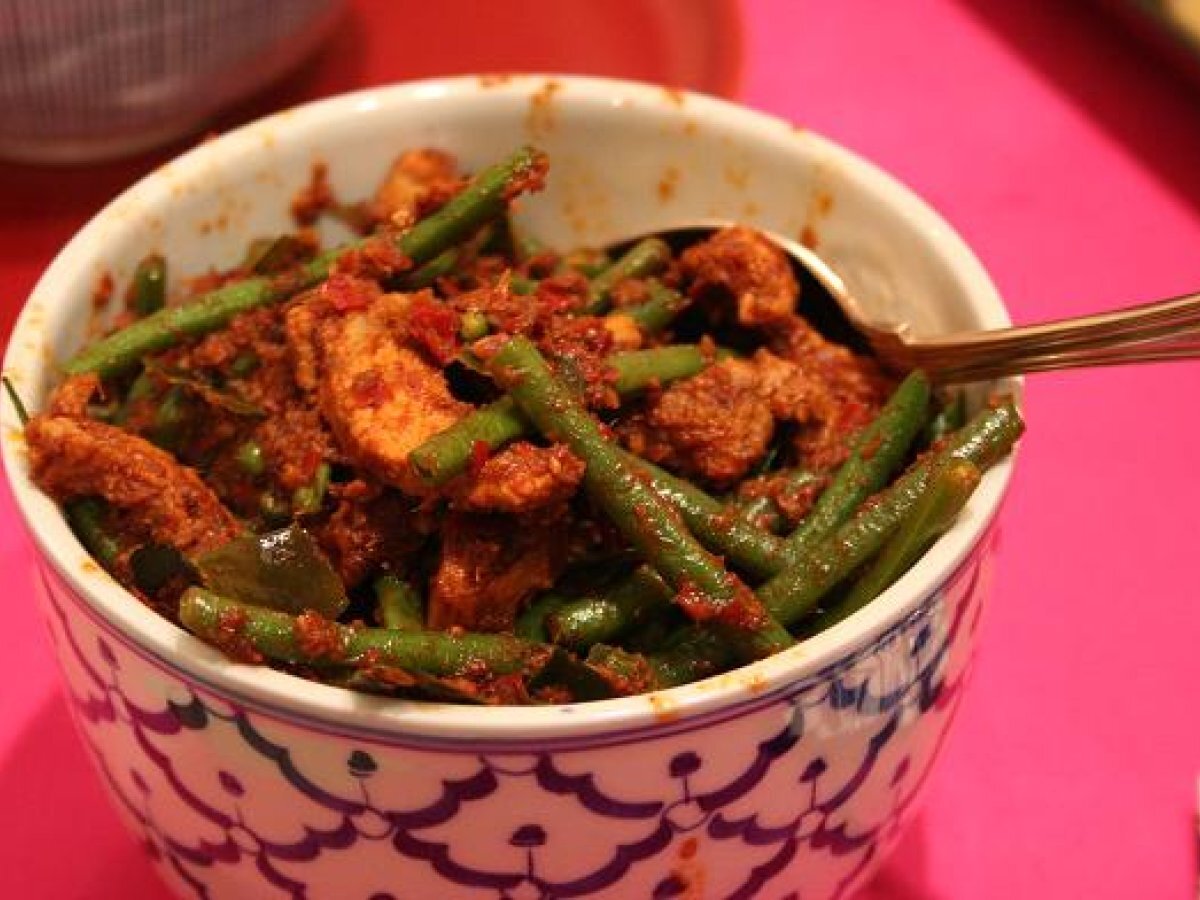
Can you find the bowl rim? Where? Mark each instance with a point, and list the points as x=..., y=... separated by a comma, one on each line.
x=292, y=698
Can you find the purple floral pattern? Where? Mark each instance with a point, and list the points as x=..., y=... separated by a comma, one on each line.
x=791, y=796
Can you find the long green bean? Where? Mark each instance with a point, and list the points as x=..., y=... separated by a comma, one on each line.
x=657, y=312
x=647, y=521
x=321, y=642
x=793, y=593
x=694, y=654
x=950, y=486
x=448, y=453
x=647, y=257
x=485, y=198
x=607, y=614
x=715, y=525
x=878, y=451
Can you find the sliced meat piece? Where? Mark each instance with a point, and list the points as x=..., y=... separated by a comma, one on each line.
x=378, y=394
x=717, y=425
x=522, y=478
x=490, y=565
x=76, y=457
x=742, y=263
x=415, y=181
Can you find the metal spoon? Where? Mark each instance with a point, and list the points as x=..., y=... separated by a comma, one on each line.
x=1152, y=332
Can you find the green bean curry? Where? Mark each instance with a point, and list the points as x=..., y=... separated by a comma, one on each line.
x=445, y=462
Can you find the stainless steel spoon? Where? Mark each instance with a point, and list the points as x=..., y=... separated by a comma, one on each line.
x=1152, y=332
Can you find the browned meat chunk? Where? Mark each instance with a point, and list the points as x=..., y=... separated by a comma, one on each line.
x=416, y=180
x=490, y=565
x=71, y=398
x=75, y=457
x=360, y=537
x=717, y=425
x=378, y=393
x=301, y=327
x=742, y=263
x=523, y=478
x=849, y=390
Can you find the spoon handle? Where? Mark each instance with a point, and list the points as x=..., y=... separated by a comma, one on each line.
x=1152, y=332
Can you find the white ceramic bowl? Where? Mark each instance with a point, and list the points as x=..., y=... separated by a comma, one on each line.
x=788, y=778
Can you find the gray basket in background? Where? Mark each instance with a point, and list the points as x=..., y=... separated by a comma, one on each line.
x=84, y=80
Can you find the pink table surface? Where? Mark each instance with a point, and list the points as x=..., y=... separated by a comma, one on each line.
x=1066, y=154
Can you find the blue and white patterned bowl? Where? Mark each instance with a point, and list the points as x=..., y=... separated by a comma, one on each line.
x=786, y=779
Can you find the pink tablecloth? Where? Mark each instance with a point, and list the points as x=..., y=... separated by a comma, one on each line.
x=1066, y=154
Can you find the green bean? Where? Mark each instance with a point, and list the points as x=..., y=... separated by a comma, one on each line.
x=656, y=313
x=647, y=521
x=588, y=262
x=85, y=517
x=250, y=458
x=652, y=635
x=607, y=614
x=439, y=267
x=626, y=672
x=950, y=486
x=714, y=525
x=951, y=417
x=307, y=500
x=878, y=451
x=239, y=627
x=531, y=623
x=695, y=653
x=148, y=290
x=648, y=256
x=171, y=419
x=448, y=453
x=485, y=198
x=398, y=605
x=639, y=369
x=793, y=593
